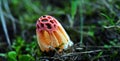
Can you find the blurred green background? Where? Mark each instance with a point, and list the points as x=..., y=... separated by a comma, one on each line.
x=91, y=25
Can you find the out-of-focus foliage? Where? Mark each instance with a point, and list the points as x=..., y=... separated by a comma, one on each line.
x=22, y=51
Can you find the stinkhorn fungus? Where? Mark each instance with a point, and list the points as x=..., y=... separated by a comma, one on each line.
x=51, y=34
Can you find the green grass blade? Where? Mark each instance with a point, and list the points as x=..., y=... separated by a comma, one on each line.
x=4, y=24
x=5, y=2
x=108, y=18
x=81, y=20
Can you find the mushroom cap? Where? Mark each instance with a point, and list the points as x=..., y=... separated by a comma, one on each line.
x=47, y=23
x=50, y=33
